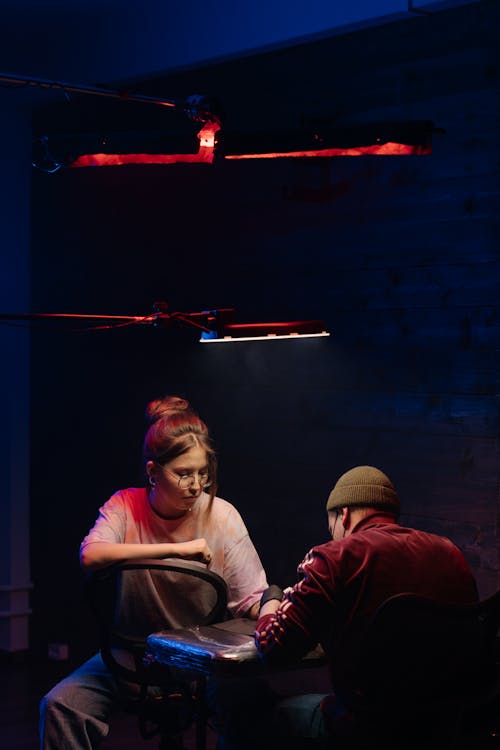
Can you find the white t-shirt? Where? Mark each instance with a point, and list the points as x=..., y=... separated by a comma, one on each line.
x=127, y=517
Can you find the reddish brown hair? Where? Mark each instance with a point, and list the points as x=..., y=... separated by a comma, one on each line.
x=175, y=428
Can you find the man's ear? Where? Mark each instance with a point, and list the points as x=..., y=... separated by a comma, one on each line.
x=346, y=518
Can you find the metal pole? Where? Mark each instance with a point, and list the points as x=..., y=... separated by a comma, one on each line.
x=82, y=89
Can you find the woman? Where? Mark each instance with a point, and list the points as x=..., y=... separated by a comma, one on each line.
x=176, y=514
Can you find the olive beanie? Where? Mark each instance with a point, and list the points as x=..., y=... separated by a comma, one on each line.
x=364, y=486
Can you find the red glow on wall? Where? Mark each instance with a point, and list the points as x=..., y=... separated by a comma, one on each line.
x=205, y=154
x=206, y=151
x=113, y=160
x=379, y=149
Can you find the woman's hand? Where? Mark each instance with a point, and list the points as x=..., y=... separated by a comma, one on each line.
x=197, y=549
x=100, y=554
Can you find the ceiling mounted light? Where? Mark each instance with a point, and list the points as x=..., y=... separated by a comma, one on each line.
x=214, y=325
x=223, y=330
x=216, y=143
x=202, y=153
x=318, y=137
x=195, y=133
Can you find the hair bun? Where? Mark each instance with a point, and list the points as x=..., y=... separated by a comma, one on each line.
x=162, y=407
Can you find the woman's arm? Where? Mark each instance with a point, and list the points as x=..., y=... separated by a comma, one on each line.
x=253, y=612
x=95, y=555
x=245, y=577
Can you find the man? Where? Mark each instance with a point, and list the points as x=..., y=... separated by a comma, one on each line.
x=370, y=558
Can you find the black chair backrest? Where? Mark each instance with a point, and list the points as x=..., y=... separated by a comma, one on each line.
x=416, y=650
x=120, y=597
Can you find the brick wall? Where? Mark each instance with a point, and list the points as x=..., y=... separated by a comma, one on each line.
x=397, y=254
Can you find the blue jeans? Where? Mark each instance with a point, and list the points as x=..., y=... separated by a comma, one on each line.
x=301, y=717
x=76, y=713
x=291, y=722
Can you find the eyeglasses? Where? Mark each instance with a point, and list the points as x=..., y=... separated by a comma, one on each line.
x=186, y=481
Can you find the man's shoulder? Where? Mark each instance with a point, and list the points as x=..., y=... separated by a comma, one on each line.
x=323, y=555
x=379, y=529
x=352, y=546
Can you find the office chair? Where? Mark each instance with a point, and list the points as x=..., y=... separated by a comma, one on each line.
x=165, y=703
x=426, y=675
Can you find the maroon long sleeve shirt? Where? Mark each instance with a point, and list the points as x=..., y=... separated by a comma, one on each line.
x=343, y=582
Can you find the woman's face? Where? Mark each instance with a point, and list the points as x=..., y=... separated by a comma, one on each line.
x=166, y=496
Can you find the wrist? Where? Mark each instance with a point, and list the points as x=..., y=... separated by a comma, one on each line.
x=272, y=592
x=269, y=608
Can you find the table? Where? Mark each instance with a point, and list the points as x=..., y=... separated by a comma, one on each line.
x=223, y=649
x=226, y=649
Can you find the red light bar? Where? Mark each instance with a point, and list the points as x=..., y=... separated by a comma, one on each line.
x=380, y=149
x=204, y=155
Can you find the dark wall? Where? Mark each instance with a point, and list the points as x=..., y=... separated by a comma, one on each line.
x=397, y=254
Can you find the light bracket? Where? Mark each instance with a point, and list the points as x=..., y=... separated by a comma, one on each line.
x=216, y=325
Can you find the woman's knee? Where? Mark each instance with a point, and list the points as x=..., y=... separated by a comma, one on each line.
x=52, y=699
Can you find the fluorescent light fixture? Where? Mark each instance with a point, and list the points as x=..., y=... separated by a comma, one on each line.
x=232, y=332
